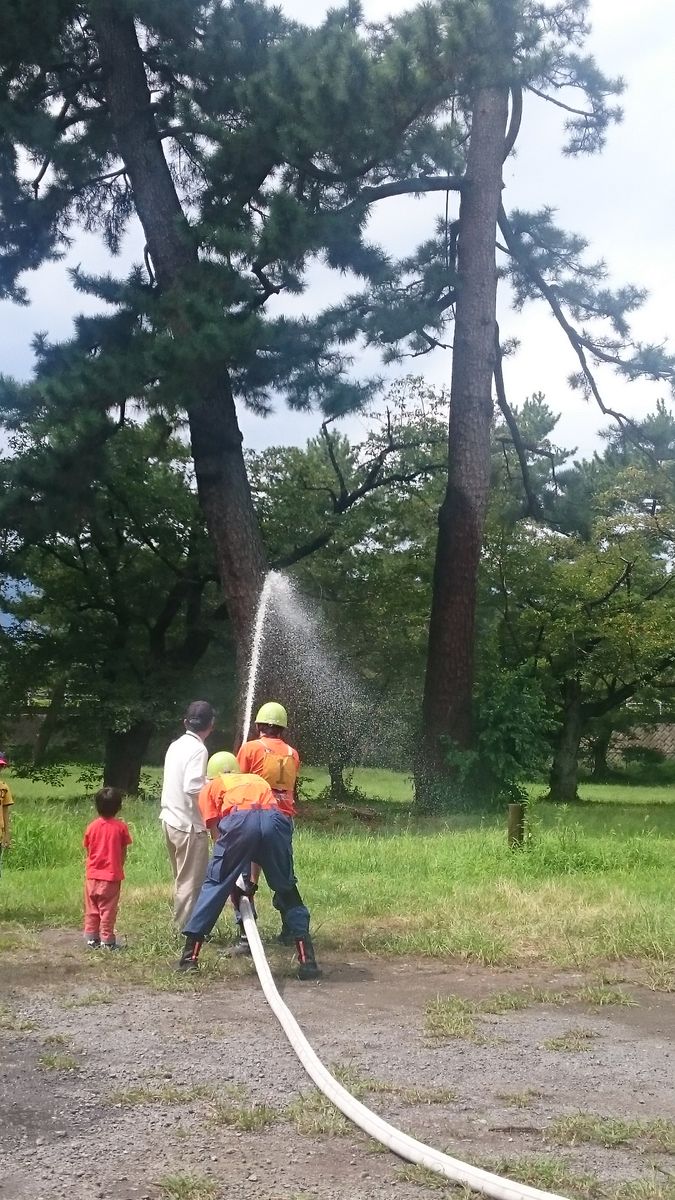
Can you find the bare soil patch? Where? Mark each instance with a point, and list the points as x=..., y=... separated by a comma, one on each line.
x=112, y=1089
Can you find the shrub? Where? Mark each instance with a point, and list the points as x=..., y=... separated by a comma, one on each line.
x=512, y=725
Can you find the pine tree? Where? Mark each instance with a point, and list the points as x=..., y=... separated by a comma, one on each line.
x=247, y=145
x=244, y=144
x=520, y=49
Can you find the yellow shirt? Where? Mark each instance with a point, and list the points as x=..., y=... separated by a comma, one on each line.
x=5, y=800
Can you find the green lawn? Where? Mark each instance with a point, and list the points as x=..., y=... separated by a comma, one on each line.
x=594, y=885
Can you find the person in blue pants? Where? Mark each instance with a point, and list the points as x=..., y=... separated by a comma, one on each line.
x=244, y=813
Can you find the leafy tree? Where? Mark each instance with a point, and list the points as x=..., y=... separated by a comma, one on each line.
x=245, y=145
x=590, y=607
x=364, y=510
x=532, y=49
x=116, y=605
x=111, y=589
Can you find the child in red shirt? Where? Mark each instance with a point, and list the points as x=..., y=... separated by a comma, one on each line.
x=105, y=840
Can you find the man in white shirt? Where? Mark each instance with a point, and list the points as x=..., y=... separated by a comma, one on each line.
x=186, y=836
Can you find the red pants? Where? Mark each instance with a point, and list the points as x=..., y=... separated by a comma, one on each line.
x=101, y=900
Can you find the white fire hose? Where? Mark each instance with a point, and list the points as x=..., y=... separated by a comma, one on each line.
x=400, y=1143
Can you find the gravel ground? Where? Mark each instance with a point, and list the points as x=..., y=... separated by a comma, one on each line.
x=70, y=1129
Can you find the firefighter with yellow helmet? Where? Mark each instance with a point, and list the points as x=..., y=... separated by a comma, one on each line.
x=271, y=757
x=247, y=823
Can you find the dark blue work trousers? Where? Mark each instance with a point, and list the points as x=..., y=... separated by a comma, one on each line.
x=260, y=835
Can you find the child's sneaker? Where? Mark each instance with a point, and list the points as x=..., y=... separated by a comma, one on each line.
x=114, y=945
x=93, y=943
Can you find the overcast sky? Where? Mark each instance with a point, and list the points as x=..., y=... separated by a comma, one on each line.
x=622, y=201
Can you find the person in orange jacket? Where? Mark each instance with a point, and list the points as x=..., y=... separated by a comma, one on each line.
x=278, y=763
x=270, y=756
x=251, y=827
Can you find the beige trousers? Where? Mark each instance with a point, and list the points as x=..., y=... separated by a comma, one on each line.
x=189, y=858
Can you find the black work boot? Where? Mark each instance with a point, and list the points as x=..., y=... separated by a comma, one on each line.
x=188, y=959
x=307, y=964
x=241, y=948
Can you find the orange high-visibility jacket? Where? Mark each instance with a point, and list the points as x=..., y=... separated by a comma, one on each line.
x=277, y=763
x=226, y=793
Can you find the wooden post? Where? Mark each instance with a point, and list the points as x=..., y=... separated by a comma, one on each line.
x=516, y=825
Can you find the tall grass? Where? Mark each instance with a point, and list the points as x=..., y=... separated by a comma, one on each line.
x=593, y=884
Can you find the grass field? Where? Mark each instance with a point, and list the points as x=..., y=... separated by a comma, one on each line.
x=594, y=885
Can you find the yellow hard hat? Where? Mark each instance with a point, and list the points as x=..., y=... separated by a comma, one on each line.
x=221, y=763
x=272, y=714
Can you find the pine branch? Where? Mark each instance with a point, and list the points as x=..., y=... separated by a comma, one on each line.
x=69, y=563
x=268, y=288
x=335, y=177
x=506, y=604
x=534, y=507
x=577, y=341
x=108, y=177
x=577, y=112
x=303, y=551
x=322, y=539
x=433, y=343
x=515, y=121
x=406, y=187
x=658, y=590
x=167, y=615
x=84, y=114
x=59, y=125
x=137, y=524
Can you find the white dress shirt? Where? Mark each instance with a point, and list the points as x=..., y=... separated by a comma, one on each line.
x=184, y=778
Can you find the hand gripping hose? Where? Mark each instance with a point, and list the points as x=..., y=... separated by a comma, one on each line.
x=400, y=1143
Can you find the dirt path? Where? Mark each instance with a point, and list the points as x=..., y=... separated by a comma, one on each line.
x=113, y=1090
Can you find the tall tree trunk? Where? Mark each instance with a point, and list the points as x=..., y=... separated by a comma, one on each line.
x=49, y=724
x=600, y=747
x=450, y=657
x=565, y=768
x=339, y=792
x=220, y=471
x=124, y=754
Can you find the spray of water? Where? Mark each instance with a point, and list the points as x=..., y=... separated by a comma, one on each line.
x=258, y=634
x=339, y=716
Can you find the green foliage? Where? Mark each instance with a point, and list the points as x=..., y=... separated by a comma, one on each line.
x=351, y=520
x=512, y=723
x=116, y=602
x=583, y=596
x=271, y=136
x=510, y=743
x=643, y=756
x=52, y=774
x=278, y=137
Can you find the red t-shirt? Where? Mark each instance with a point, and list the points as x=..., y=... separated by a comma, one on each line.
x=105, y=841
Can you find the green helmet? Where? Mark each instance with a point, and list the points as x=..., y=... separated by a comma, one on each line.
x=272, y=714
x=222, y=763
